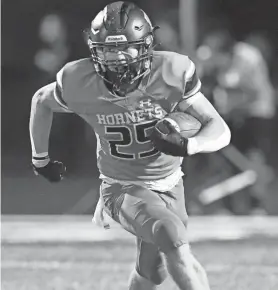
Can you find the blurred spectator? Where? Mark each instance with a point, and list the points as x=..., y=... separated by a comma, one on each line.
x=167, y=36
x=236, y=76
x=261, y=41
x=248, y=100
x=212, y=56
x=55, y=51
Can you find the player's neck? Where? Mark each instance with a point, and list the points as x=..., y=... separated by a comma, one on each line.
x=124, y=90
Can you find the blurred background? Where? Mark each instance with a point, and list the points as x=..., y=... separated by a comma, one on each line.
x=235, y=47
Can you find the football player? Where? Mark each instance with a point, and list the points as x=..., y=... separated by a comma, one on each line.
x=121, y=90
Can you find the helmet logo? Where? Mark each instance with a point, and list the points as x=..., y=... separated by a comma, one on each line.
x=139, y=28
x=115, y=38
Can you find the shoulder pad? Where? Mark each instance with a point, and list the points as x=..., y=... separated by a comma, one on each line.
x=72, y=79
x=180, y=72
x=74, y=70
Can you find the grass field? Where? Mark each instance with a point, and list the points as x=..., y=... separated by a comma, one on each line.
x=40, y=253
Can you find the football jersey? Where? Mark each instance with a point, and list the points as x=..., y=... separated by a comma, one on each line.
x=123, y=124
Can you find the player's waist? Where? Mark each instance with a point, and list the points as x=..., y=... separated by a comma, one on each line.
x=162, y=184
x=147, y=169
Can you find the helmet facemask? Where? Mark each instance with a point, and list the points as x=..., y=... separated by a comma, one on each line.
x=122, y=64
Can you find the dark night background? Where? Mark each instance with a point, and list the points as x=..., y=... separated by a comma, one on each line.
x=71, y=139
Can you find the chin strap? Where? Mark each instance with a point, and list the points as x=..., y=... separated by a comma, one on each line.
x=143, y=74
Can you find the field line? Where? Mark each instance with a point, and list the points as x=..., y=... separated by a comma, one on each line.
x=33, y=229
x=104, y=266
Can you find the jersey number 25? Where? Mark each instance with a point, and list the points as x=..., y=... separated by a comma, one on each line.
x=126, y=140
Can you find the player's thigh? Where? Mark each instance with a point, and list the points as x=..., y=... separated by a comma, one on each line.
x=149, y=262
x=130, y=206
x=175, y=201
x=146, y=215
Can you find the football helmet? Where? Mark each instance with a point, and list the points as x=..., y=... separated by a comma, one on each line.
x=121, y=41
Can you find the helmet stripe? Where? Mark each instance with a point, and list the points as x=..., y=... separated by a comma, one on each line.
x=147, y=18
x=97, y=21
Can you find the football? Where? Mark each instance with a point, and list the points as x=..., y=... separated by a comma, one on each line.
x=186, y=124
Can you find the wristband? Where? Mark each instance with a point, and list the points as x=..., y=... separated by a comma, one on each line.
x=192, y=146
x=40, y=159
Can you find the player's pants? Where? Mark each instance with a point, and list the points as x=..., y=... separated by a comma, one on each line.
x=157, y=219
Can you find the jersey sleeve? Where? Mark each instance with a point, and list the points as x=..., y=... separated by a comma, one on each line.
x=180, y=73
x=192, y=83
x=58, y=91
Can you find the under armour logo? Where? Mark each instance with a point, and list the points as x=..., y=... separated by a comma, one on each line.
x=145, y=103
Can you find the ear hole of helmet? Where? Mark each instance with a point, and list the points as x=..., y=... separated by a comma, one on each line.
x=148, y=41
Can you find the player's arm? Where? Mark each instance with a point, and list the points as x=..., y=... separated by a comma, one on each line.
x=214, y=134
x=44, y=103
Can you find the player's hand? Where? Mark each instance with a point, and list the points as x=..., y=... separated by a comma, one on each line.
x=53, y=171
x=168, y=140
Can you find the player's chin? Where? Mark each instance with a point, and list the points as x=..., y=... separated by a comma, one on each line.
x=117, y=69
